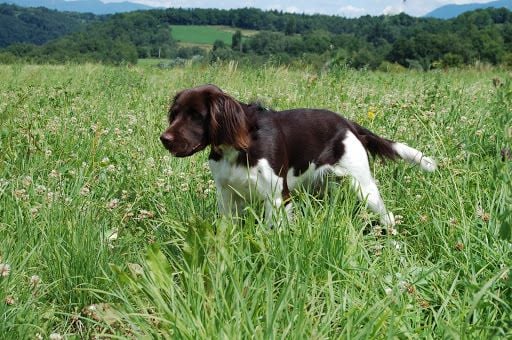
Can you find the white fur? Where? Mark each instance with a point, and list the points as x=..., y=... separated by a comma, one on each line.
x=414, y=156
x=237, y=184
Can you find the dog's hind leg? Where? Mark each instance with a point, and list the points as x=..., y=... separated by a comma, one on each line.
x=354, y=162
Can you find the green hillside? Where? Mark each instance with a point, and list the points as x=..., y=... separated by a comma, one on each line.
x=199, y=34
x=205, y=34
x=39, y=25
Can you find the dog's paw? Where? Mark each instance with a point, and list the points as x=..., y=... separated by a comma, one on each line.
x=388, y=219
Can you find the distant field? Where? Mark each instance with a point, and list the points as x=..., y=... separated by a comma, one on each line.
x=204, y=35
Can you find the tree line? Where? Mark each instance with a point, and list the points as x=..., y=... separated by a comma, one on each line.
x=373, y=42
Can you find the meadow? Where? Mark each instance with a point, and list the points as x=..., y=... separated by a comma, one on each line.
x=204, y=35
x=103, y=233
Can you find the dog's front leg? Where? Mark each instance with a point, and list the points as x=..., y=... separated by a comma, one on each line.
x=228, y=202
x=278, y=211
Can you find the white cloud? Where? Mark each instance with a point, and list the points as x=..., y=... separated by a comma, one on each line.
x=351, y=11
x=390, y=10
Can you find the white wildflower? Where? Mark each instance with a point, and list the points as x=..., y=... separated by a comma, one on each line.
x=5, y=269
x=55, y=336
x=85, y=191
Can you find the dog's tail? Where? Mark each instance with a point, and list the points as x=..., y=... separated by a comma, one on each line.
x=386, y=148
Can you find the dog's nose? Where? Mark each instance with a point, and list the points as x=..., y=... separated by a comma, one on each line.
x=166, y=138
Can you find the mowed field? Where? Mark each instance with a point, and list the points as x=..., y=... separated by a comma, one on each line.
x=103, y=233
x=202, y=35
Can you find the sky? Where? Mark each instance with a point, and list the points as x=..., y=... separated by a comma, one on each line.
x=347, y=8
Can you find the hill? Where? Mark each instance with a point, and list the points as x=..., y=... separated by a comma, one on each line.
x=285, y=38
x=82, y=6
x=38, y=25
x=452, y=11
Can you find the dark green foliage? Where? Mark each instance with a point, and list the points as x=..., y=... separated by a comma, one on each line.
x=38, y=25
x=366, y=42
x=122, y=39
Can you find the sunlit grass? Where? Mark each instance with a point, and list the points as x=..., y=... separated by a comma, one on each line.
x=102, y=232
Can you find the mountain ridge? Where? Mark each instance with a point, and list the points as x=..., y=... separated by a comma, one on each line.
x=453, y=10
x=82, y=6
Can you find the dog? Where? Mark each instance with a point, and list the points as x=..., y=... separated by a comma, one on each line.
x=258, y=152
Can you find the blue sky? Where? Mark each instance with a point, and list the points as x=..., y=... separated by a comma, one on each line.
x=348, y=8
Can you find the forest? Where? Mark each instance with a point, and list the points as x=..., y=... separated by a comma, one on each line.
x=367, y=42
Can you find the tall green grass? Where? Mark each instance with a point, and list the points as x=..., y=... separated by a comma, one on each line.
x=103, y=233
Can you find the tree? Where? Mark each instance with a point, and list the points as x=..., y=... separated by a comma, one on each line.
x=236, y=41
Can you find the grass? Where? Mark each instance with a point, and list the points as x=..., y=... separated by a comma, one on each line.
x=104, y=234
x=201, y=35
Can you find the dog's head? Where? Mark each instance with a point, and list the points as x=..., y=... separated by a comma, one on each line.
x=203, y=116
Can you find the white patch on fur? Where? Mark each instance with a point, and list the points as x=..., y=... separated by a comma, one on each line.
x=308, y=178
x=237, y=184
x=415, y=156
x=354, y=162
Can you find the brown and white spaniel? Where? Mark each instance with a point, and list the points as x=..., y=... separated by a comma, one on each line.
x=259, y=152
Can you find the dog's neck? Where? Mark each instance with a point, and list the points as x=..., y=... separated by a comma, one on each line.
x=225, y=152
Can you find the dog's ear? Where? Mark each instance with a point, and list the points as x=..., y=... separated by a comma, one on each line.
x=228, y=122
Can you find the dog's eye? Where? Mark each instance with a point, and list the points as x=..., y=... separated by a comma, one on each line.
x=196, y=115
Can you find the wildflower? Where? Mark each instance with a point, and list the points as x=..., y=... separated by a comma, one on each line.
x=371, y=114
x=423, y=218
x=377, y=250
x=112, y=236
x=85, y=191
x=112, y=204
x=377, y=231
x=111, y=168
x=424, y=303
x=54, y=174
x=35, y=209
x=482, y=214
x=184, y=187
x=143, y=214
x=398, y=219
x=27, y=181
x=50, y=196
x=392, y=231
x=124, y=194
x=21, y=194
x=160, y=182
x=40, y=189
x=55, y=336
x=396, y=244
x=479, y=133
x=168, y=172
x=150, y=162
x=9, y=300
x=48, y=152
x=105, y=161
x=388, y=290
x=136, y=269
x=403, y=285
x=5, y=269
x=34, y=281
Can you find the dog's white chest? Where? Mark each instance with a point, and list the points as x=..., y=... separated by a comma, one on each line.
x=246, y=182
